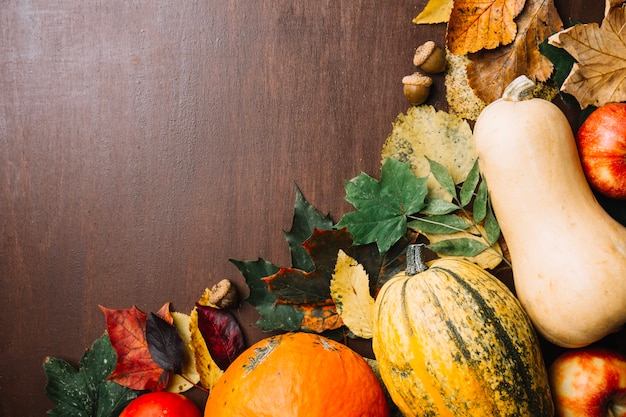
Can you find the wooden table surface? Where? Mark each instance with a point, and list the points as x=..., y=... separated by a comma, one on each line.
x=143, y=144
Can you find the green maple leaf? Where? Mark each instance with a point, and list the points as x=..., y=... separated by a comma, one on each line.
x=383, y=206
x=273, y=316
x=86, y=391
x=306, y=219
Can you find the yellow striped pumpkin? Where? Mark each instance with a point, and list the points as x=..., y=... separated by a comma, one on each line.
x=452, y=340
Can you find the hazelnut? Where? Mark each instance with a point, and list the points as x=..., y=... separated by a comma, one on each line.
x=224, y=294
x=430, y=58
x=416, y=88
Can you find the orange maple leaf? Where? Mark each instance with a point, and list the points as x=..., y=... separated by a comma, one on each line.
x=135, y=367
x=486, y=24
x=489, y=72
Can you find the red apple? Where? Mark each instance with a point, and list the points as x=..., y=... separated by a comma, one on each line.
x=602, y=147
x=161, y=404
x=589, y=382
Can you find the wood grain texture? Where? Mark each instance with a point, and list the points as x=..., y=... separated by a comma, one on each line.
x=144, y=144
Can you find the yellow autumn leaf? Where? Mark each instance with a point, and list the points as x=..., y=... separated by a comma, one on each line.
x=189, y=375
x=599, y=75
x=482, y=24
x=206, y=367
x=435, y=11
x=425, y=132
x=349, y=289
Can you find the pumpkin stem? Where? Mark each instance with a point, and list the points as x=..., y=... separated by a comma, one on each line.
x=415, y=259
x=520, y=89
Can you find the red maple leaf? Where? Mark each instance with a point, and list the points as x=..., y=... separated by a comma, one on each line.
x=135, y=367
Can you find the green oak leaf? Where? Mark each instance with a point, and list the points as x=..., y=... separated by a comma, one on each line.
x=383, y=206
x=86, y=391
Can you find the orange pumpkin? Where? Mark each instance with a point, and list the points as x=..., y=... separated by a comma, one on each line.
x=297, y=375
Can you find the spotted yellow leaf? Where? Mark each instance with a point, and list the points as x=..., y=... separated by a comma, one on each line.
x=349, y=289
x=424, y=133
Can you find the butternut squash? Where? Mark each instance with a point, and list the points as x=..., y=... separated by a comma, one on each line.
x=568, y=255
x=452, y=340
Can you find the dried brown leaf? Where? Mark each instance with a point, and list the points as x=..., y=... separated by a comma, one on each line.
x=476, y=25
x=599, y=75
x=491, y=71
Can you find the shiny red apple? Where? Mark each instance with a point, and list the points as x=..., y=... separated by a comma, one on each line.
x=589, y=382
x=602, y=147
x=161, y=404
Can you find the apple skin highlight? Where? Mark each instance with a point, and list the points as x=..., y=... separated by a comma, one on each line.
x=601, y=142
x=589, y=382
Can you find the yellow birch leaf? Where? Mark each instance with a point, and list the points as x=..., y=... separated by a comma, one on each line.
x=349, y=288
x=189, y=375
x=206, y=367
x=599, y=75
x=482, y=24
x=436, y=11
x=425, y=132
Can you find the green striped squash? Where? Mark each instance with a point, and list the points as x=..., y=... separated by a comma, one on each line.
x=452, y=340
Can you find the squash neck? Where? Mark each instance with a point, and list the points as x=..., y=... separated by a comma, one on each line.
x=415, y=259
x=519, y=89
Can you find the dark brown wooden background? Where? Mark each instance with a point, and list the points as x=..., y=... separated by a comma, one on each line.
x=144, y=143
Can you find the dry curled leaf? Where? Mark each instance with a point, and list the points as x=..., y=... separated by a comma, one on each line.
x=435, y=11
x=599, y=75
x=350, y=290
x=490, y=71
x=476, y=25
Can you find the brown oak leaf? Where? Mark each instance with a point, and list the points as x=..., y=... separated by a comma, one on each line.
x=490, y=71
x=599, y=75
x=135, y=367
x=474, y=25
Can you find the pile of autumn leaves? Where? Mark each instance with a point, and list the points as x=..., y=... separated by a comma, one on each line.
x=502, y=39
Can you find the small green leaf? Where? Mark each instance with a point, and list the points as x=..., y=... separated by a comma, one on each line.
x=458, y=247
x=492, y=228
x=383, y=206
x=306, y=218
x=442, y=176
x=438, y=206
x=469, y=185
x=449, y=223
x=480, y=202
